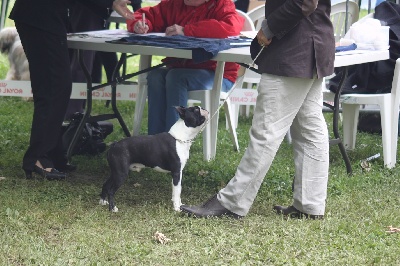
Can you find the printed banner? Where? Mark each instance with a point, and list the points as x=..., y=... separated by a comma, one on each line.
x=19, y=88
x=124, y=92
x=243, y=96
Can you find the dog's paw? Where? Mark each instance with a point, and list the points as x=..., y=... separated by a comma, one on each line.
x=103, y=202
x=115, y=209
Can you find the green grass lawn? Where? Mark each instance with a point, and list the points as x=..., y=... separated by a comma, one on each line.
x=60, y=223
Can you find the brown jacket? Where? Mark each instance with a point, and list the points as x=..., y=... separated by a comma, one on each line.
x=303, y=39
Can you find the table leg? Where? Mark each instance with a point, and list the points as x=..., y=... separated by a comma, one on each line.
x=336, y=106
x=117, y=114
x=213, y=124
x=88, y=108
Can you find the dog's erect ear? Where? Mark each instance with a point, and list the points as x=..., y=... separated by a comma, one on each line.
x=181, y=110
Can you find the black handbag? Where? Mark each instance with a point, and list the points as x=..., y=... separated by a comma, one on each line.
x=91, y=141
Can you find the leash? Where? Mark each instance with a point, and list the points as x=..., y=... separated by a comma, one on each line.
x=238, y=81
x=234, y=86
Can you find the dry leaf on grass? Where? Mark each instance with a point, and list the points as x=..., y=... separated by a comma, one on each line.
x=366, y=166
x=137, y=185
x=203, y=173
x=160, y=237
x=393, y=229
x=2, y=178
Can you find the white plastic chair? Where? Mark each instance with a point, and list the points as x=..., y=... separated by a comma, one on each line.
x=257, y=15
x=389, y=110
x=338, y=17
x=204, y=96
x=388, y=106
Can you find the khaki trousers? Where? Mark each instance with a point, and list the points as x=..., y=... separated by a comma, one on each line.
x=284, y=103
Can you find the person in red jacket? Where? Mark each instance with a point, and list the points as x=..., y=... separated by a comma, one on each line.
x=168, y=87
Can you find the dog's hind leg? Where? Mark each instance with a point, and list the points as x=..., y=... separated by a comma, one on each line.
x=110, y=187
x=176, y=190
x=104, y=192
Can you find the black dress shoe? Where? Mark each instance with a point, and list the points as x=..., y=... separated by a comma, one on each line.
x=49, y=175
x=54, y=174
x=66, y=168
x=211, y=208
x=292, y=212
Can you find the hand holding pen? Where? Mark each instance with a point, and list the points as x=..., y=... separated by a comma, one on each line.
x=141, y=26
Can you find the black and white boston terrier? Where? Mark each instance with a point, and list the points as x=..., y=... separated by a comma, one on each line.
x=166, y=152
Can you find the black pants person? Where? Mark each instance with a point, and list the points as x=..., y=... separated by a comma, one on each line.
x=51, y=88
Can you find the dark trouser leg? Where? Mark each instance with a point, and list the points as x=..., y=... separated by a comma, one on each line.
x=51, y=87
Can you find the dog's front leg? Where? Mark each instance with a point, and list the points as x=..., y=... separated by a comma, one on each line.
x=176, y=190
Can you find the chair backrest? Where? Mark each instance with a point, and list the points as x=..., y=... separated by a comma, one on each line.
x=338, y=17
x=257, y=15
x=248, y=23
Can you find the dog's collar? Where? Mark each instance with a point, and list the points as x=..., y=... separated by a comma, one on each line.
x=182, y=141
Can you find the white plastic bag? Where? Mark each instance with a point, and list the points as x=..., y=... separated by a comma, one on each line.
x=367, y=34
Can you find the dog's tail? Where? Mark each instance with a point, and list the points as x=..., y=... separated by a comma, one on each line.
x=111, y=145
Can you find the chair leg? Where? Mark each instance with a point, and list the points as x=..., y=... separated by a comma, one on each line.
x=350, y=121
x=207, y=143
x=248, y=110
x=386, y=133
x=206, y=104
x=236, y=114
x=145, y=62
x=233, y=122
x=288, y=137
x=395, y=131
x=139, y=109
x=230, y=119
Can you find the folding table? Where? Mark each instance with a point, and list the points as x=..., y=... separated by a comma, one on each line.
x=92, y=41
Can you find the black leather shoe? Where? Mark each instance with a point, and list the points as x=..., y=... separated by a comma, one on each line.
x=66, y=168
x=292, y=212
x=211, y=208
x=54, y=174
x=49, y=175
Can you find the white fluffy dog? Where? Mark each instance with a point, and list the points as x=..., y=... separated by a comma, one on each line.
x=10, y=45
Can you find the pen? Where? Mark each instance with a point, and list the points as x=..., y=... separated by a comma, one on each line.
x=144, y=19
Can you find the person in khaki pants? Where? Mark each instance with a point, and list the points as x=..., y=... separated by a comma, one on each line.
x=295, y=49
